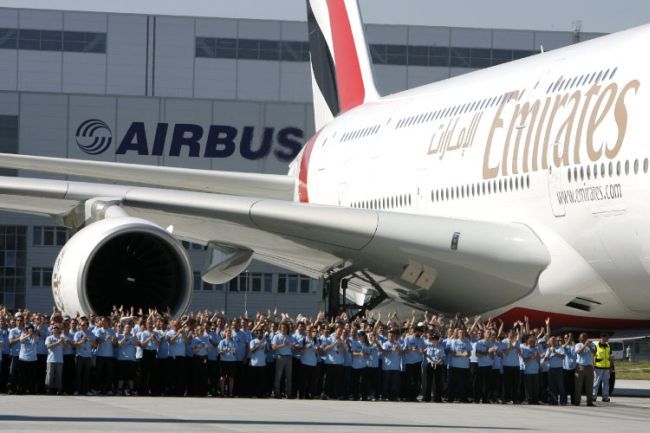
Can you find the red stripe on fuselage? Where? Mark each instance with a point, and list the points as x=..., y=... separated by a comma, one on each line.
x=558, y=320
x=348, y=72
x=303, y=193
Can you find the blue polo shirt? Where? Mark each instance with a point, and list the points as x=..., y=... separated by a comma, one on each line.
x=358, y=361
x=413, y=346
x=392, y=360
x=531, y=366
x=497, y=361
x=27, y=350
x=177, y=347
x=554, y=357
x=569, y=358
x=485, y=360
x=4, y=337
x=41, y=348
x=13, y=334
x=55, y=354
x=213, y=352
x=84, y=350
x=105, y=346
x=279, y=339
x=258, y=358
x=126, y=351
x=585, y=357
x=308, y=356
x=298, y=339
x=241, y=339
x=434, y=352
x=373, y=355
x=200, y=345
x=510, y=355
x=227, y=350
x=143, y=335
x=163, y=348
x=458, y=345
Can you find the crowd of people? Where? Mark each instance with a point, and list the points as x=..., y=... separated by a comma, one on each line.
x=368, y=357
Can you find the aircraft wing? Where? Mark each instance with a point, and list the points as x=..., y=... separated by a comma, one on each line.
x=444, y=263
x=222, y=182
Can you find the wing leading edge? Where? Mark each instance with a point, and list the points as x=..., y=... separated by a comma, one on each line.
x=222, y=182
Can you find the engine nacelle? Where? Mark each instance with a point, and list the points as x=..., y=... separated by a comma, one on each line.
x=122, y=261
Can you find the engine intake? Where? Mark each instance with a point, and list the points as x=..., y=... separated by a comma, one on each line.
x=122, y=261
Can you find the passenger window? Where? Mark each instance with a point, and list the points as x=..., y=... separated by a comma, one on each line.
x=611, y=169
x=568, y=172
x=618, y=168
x=595, y=171
x=602, y=169
x=588, y=172
x=645, y=165
x=636, y=166
x=582, y=173
x=627, y=167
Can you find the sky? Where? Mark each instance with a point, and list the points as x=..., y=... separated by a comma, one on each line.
x=595, y=15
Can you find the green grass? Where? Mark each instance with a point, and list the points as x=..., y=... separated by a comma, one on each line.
x=633, y=370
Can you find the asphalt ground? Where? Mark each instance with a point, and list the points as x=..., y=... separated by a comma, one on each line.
x=168, y=414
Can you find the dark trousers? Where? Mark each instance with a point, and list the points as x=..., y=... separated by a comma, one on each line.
x=295, y=375
x=459, y=381
x=82, y=374
x=481, y=383
x=372, y=382
x=27, y=376
x=161, y=376
x=413, y=380
x=556, y=385
x=433, y=383
x=105, y=374
x=511, y=384
x=69, y=373
x=357, y=382
x=239, y=385
x=333, y=379
x=270, y=377
x=40, y=369
x=258, y=379
x=12, y=376
x=147, y=371
x=4, y=372
x=531, y=382
x=347, y=378
x=391, y=384
x=569, y=383
x=309, y=376
x=495, y=390
x=199, y=376
x=213, y=377
x=177, y=364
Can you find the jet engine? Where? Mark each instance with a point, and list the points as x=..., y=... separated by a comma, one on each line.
x=122, y=261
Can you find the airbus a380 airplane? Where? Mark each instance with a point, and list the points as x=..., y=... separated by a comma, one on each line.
x=518, y=189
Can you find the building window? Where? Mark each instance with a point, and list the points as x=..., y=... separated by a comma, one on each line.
x=53, y=40
x=13, y=255
x=197, y=280
x=8, y=134
x=41, y=277
x=47, y=236
x=192, y=246
x=294, y=283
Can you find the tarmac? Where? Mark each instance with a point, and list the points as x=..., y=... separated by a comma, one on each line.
x=167, y=414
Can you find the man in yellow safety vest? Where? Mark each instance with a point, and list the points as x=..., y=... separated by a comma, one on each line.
x=603, y=365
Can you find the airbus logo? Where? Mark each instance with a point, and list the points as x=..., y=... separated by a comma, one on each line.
x=194, y=141
x=94, y=136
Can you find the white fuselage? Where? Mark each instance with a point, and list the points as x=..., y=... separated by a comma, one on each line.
x=557, y=141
